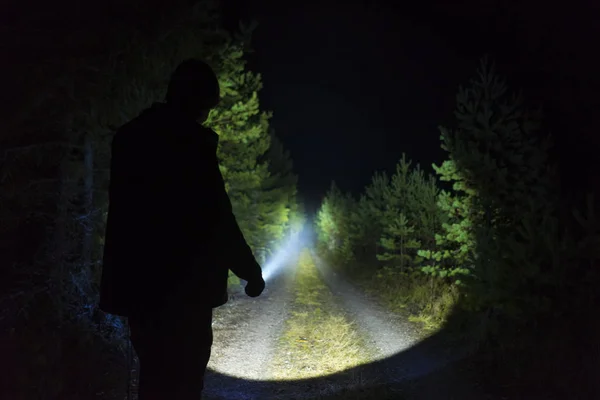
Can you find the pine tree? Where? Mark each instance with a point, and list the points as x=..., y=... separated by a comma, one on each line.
x=333, y=225
x=504, y=226
x=328, y=231
x=373, y=209
x=256, y=168
x=365, y=230
x=243, y=142
x=454, y=244
x=398, y=241
x=422, y=201
x=278, y=196
x=398, y=237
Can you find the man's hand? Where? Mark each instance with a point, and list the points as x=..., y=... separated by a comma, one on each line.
x=255, y=288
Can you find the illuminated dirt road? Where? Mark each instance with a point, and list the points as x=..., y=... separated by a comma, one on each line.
x=387, y=334
x=247, y=335
x=402, y=357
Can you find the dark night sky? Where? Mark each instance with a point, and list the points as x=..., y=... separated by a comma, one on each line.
x=352, y=86
x=349, y=89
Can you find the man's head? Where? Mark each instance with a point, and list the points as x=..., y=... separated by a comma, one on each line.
x=194, y=89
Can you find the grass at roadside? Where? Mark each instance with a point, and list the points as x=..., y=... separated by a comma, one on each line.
x=423, y=299
x=318, y=339
x=427, y=300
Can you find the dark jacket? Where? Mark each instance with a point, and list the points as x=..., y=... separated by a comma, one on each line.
x=171, y=235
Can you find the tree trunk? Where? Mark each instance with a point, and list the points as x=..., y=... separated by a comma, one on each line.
x=88, y=217
x=402, y=253
x=58, y=257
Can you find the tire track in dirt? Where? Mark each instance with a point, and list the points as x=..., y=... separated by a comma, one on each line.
x=399, y=359
x=245, y=333
x=320, y=349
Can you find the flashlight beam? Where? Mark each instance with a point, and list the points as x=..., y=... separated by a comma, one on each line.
x=279, y=259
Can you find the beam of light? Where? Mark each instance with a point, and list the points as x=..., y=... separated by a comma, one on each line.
x=278, y=259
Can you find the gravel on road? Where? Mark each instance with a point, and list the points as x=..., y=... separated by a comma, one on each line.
x=402, y=353
x=245, y=332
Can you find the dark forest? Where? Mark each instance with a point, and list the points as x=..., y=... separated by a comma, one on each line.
x=419, y=185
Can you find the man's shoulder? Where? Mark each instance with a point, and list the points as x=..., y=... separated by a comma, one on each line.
x=137, y=123
x=149, y=120
x=157, y=125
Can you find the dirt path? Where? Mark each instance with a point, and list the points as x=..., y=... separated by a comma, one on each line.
x=404, y=358
x=245, y=333
x=388, y=334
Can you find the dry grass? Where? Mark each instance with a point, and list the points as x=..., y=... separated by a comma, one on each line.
x=425, y=301
x=318, y=340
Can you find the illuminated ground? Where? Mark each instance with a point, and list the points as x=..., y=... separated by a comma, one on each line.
x=386, y=334
x=245, y=332
x=253, y=359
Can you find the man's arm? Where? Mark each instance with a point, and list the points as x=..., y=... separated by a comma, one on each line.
x=243, y=263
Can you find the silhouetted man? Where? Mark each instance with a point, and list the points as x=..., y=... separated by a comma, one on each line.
x=171, y=236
